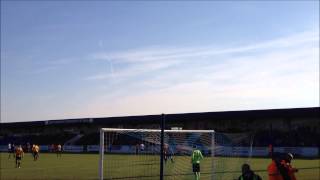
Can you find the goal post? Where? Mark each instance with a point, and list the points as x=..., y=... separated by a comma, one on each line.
x=135, y=153
x=101, y=154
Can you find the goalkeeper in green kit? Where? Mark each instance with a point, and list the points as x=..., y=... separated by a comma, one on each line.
x=195, y=160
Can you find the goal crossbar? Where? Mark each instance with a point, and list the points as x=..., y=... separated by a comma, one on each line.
x=155, y=130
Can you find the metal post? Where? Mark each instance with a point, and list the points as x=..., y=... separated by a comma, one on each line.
x=212, y=156
x=101, y=154
x=162, y=144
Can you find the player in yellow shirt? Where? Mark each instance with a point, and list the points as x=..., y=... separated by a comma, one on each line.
x=35, y=152
x=19, y=155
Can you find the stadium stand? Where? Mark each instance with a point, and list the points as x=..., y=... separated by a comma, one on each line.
x=285, y=127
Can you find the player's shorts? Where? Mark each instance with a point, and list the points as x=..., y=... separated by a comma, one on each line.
x=196, y=167
x=18, y=158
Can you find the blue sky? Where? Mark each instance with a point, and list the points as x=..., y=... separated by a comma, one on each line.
x=77, y=59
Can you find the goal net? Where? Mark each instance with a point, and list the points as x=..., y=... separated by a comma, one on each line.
x=232, y=150
x=136, y=153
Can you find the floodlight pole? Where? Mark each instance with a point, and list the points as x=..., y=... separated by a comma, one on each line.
x=161, y=145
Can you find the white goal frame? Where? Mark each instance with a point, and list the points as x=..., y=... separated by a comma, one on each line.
x=102, y=144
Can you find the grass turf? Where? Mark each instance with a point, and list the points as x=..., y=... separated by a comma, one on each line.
x=85, y=166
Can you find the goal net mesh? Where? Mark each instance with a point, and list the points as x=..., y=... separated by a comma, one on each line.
x=135, y=154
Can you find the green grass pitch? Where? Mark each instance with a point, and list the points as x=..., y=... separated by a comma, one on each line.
x=85, y=166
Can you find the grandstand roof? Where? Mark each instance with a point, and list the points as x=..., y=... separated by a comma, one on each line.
x=310, y=112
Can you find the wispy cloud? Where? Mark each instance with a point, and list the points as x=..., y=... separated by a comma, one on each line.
x=133, y=69
x=169, y=53
x=146, y=60
x=278, y=73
